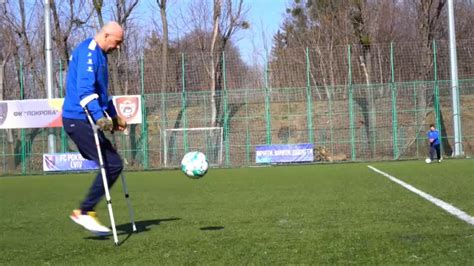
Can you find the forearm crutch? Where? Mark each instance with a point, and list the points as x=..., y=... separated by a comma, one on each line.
x=95, y=129
x=124, y=186
x=129, y=204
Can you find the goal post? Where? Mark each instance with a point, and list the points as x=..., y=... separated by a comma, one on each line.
x=178, y=141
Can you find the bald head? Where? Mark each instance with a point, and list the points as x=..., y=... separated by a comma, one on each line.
x=110, y=36
x=112, y=28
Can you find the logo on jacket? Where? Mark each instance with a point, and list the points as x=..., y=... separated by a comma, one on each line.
x=3, y=112
x=127, y=107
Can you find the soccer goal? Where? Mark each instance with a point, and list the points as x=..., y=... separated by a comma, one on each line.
x=178, y=141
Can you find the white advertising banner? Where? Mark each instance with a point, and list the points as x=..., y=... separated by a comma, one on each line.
x=31, y=113
x=72, y=161
x=44, y=113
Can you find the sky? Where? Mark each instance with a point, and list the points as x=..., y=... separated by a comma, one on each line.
x=264, y=16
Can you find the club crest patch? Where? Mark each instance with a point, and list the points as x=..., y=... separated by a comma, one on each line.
x=127, y=107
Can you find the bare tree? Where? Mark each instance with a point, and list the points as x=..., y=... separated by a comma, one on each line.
x=122, y=11
x=64, y=24
x=6, y=50
x=226, y=22
x=430, y=28
x=27, y=30
x=164, y=45
x=212, y=72
x=67, y=17
x=98, y=6
x=429, y=14
x=366, y=101
x=164, y=56
x=212, y=37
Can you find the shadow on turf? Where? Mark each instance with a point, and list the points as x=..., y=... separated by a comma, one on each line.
x=211, y=228
x=126, y=229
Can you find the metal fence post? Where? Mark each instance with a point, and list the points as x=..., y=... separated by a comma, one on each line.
x=183, y=105
x=351, y=105
x=394, y=105
x=436, y=90
x=61, y=94
x=22, y=131
x=226, y=112
x=309, y=99
x=144, y=133
x=247, y=132
x=267, y=105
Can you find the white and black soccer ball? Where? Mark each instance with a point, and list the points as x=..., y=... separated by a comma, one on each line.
x=194, y=164
x=427, y=160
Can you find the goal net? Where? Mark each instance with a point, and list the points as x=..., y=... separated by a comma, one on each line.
x=178, y=141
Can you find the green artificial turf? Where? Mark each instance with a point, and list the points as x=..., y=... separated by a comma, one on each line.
x=311, y=214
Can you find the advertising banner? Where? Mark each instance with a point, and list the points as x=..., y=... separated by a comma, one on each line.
x=31, y=113
x=45, y=113
x=67, y=162
x=284, y=153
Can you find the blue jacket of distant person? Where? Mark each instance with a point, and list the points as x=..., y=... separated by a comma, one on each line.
x=87, y=76
x=434, y=135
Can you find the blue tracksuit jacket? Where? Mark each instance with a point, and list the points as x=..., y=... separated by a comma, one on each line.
x=433, y=135
x=87, y=75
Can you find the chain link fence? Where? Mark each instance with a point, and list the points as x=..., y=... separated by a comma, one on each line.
x=354, y=103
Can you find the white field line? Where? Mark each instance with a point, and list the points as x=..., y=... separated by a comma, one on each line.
x=443, y=205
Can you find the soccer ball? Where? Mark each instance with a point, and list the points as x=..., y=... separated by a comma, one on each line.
x=194, y=164
x=427, y=160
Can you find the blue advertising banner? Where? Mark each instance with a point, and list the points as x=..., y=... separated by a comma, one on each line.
x=67, y=162
x=284, y=153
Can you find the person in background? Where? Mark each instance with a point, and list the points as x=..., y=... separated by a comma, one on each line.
x=435, y=143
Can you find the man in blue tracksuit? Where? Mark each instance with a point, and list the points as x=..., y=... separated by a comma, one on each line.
x=435, y=143
x=86, y=87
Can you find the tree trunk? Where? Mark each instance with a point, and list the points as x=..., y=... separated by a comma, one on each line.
x=164, y=47
x=98, y=4
x=331, y=70
x=9, y=133
x=59, y=38
x=429, y=15
x=164, y=59
x=370, y=119
x=2, y=74
x=217, y=11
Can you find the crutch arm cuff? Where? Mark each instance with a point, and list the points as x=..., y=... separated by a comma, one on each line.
x=90, y=104
x=86, y=100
